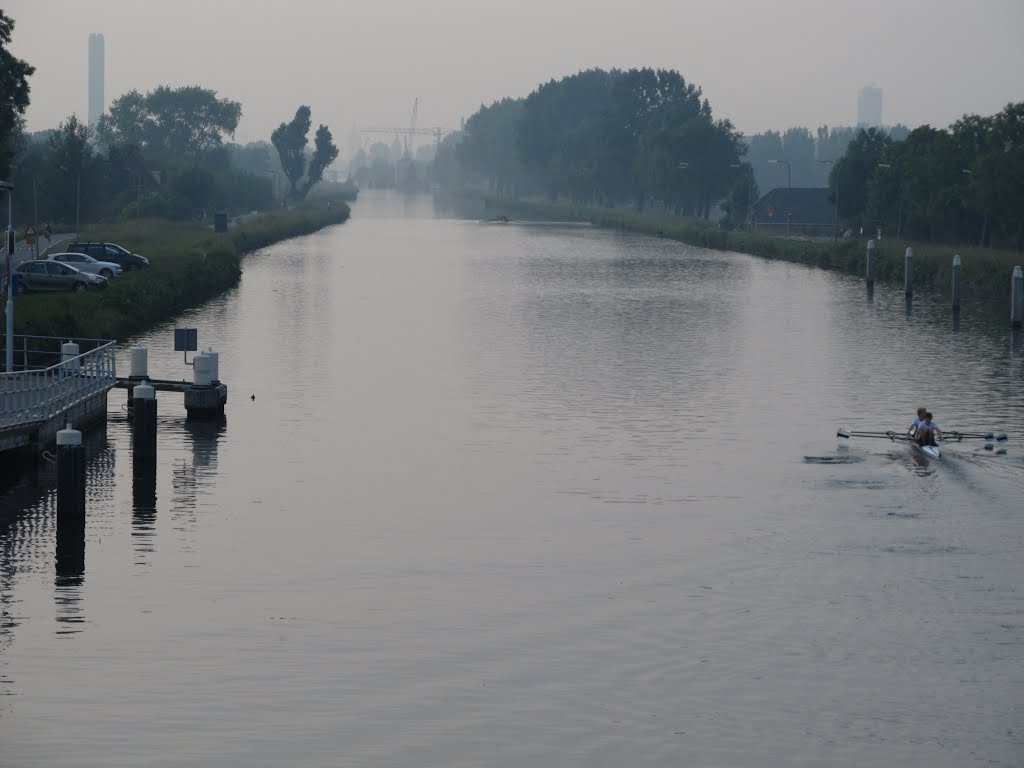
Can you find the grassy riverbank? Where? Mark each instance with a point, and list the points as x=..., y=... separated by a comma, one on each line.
x=188, y=265
x=985, y=272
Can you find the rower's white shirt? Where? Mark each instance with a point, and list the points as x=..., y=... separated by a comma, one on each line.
x=916, y=423
x=927, y=427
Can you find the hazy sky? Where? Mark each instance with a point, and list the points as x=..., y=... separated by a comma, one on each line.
x=764, y=64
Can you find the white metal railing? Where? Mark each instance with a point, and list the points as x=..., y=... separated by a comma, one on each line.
x=36, y=395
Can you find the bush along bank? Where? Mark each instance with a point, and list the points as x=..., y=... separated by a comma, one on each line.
x=188, y=265
x=985, y=273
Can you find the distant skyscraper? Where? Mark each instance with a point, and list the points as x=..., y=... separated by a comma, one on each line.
x=97, y=106
x=869, y=107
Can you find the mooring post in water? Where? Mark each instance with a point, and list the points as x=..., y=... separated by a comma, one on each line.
x=1017, y=298
x=908, y=272
x=144, y=423
x=872, y=254
x=956, y=283
x=138, y=370
x=70, y=473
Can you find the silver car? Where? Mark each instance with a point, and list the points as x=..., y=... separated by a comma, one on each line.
x=33, y=276
x=83, y=263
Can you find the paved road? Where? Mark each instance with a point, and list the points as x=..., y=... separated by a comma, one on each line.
x=23, y=251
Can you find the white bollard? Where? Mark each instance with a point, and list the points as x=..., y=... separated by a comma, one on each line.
x=69, y=358
x=202, y=368
x=214, y=365
x=139, y=363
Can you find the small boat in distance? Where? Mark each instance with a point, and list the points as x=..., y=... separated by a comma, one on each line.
x=496, y=220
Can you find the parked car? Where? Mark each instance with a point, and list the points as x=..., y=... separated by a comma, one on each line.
x=111, y=252
x=83, y=263
x=33, y=276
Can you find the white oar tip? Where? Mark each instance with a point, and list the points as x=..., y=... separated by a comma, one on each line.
x=843, y=432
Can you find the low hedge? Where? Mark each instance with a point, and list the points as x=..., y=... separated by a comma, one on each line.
x=188, y=265
x=985, y=272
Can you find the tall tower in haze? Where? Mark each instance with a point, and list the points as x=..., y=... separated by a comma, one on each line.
x=869, y=107
x=96, y=104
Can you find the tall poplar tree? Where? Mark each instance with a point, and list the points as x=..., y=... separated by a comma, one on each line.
x=14, y=90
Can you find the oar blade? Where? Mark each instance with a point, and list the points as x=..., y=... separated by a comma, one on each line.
x=843, y=432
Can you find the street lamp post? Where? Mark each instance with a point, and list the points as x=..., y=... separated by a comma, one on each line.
x=899, y=208
x=276, y=185
x=6, y=185
x=831, y=162
x=681, y=167
x=984, y=220
x=750, y=186
x=789, y=171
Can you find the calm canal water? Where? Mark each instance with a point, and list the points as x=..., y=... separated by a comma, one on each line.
x=535, y=495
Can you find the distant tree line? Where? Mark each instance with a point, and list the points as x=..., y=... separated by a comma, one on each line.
x=961, y=185
x=616, y=137
x=165, y=153
x=646, y=138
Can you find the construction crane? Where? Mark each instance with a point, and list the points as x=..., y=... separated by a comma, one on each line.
x=412, y=128
x=437, y=133
x=411, y=131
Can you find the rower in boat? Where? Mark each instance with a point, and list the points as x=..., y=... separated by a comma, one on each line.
x=918, y=420
x=927, y=432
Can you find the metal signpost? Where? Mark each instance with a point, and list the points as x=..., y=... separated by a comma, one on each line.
x=8, y=275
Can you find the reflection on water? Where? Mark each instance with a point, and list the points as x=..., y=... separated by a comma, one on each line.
x=512, y=492
x=143, y=509
x=70, y=568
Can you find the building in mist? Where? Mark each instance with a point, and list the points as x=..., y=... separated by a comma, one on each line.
x=96, y=104
x=869, y=107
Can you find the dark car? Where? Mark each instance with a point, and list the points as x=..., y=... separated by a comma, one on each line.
x=111, y=252
x=39, y=276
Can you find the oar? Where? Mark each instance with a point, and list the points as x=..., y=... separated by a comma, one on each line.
x=999, y=451
x=1000, y=437
x=846, y=433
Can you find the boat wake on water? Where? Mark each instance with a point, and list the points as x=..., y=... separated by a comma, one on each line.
x=838, y=458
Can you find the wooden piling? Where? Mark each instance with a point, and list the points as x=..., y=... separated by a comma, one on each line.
x=956, y=283
x=872, y=256
x=144, y=423
x=70, y=474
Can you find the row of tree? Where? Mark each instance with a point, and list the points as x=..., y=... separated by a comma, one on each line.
x=609, y=138
x=799, y=157
x=647, y=136
x=163, y=153
x=961, y=185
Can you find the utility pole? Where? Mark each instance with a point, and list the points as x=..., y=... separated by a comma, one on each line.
x=10, y=277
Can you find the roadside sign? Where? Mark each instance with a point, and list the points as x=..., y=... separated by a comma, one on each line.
x=185, y=340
